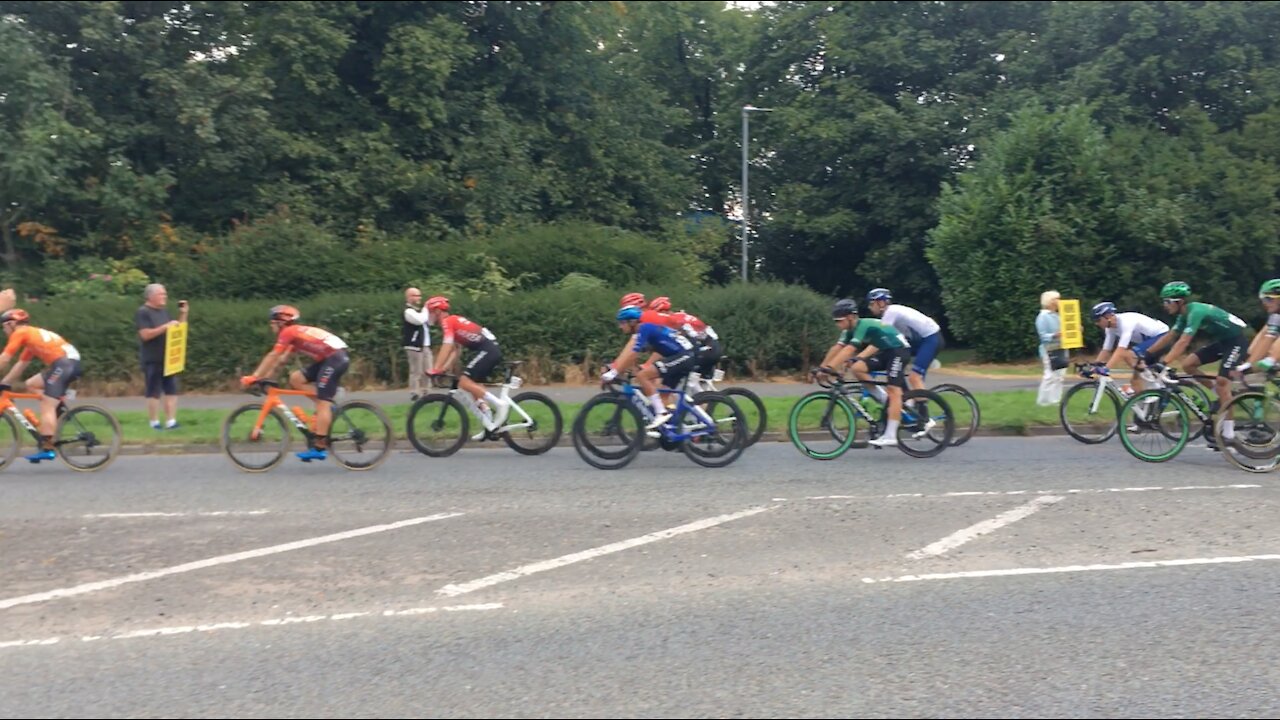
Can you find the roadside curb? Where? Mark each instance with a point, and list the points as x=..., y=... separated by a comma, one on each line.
x=565, y=441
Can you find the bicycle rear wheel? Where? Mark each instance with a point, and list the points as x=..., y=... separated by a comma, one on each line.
x=1255, y=442
x=1086, y=416
x=437, y=425
x=965, y=412
x=608, y=431
x=753, y=411
x=927, y=426
x=88, y=438
x=1154, y=425
x=822, y=425
x=541, y=431
x=250, y=448
x=360, y=437
x=718, y=427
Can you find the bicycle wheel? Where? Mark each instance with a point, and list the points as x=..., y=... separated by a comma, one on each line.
x=360, y=437
x=1089, y=411
x=535, y=427
x=437, y=425
x=1154, y=425
x=251, y=448
x=719, y=429
x=964, y=405
x=1254, y=445
x=753, y=410
x=10, y=440
x=927, y=426
x=608, y=431
x=822, y=425
x=88, y=438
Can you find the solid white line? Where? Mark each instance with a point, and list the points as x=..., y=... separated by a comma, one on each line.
x=213, y=513
x=960, y=537
x=452, y=590
x=212, y=627
x=219, y=560
x=1077, y=491
x=1072, y=568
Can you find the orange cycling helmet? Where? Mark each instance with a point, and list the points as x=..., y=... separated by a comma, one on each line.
x=632, y=300
x=287, y=313
x=15, y=315
x=438, y=302
x=661, y=304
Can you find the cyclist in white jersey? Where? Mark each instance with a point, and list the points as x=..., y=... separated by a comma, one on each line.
x=922, y=332
x=1128, y=336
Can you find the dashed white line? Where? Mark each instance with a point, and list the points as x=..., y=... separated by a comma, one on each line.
x=1076, y=491
x=219, y=560
x=1072, y=568
x=211, y=513
x=960, y=537
x=452, y=590
x=273, y=622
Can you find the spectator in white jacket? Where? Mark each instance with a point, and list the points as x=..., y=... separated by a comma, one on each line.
x=415, y=336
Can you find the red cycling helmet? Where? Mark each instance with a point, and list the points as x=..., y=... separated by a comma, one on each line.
x=660, y=304
x=632, y=300
x=439, y=302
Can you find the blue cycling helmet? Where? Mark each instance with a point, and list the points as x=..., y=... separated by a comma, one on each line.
x=879, y=294
x=1103, y=309
x=629, y=313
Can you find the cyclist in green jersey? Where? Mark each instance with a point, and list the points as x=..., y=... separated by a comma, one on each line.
x=1224, y=331
x=883, y=348
x=1264, y=351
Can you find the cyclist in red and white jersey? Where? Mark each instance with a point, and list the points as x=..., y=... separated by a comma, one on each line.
x=458, y=330
x=322, y=377
x=704, y=336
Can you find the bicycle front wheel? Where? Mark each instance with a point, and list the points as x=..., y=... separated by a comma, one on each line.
x=88, y=438
x=253, y=447
x=964, y=408
x=437, y=425
x=533, y=425
x=608, y=431
x=928, y=425
x=753, y=410
x=1154, y=425
x=1089, y=412
x=822, y=425
x=10, y=440
x=360, y=437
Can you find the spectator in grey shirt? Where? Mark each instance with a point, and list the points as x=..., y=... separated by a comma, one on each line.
x=153, y=322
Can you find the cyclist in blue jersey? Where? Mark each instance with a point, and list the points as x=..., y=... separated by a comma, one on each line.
x=678, y=358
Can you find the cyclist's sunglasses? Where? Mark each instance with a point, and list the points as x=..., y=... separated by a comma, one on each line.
x=1170, y=301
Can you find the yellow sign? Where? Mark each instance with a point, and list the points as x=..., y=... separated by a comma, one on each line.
x=175, y=349
x=1072, y=332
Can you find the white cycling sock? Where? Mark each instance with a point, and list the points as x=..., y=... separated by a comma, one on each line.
x=492, y=400
x=890, y=429
x=1228, y=429
x=655, y=400
x=879, y=393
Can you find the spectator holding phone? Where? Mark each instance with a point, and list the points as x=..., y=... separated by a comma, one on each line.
x=153, y=322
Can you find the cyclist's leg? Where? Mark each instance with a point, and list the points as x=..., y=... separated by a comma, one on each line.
x=476, y=372
x=1234, y=352
x=923, y=354
x=327, y=381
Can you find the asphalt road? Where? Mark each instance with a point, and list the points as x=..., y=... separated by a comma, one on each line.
x=1008, y=577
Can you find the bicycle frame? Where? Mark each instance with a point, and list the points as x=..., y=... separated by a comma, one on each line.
x=511, y=382
x=8, y=405
x=273, y=401
x=705, y=424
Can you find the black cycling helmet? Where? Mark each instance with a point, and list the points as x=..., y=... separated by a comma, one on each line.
x=844, y=308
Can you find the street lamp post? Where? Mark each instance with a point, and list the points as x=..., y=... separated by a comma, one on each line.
x=746, y=197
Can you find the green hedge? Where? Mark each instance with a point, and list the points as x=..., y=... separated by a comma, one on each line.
x=766, y=328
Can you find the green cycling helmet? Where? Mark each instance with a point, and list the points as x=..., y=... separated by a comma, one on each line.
x=1270, y=288
x=1175, y=289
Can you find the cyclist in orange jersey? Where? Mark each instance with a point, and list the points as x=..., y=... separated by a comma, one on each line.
x=321, y=377
x=62, y=359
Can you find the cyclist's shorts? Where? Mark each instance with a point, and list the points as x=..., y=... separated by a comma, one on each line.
x=59, y=377
x=487, y=357
x=1231, y=352
x=675, y=368
x=327, y=373
x=708, y=355
x=893, y=363
x=923, y=352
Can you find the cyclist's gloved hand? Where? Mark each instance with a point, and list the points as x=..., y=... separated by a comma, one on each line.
x=435, y=371
x=1102, y=369
x=608, y=375
x=5, y=388
x=1086, y=371
x=247, y=381
x=827, y=370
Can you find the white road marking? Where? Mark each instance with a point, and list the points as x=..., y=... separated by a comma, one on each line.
x=960, y=537
x=212, y=513
x=452, y=590
x=219, y=560
x=1077, y=491
x=212, y=627
x=1073, y=568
